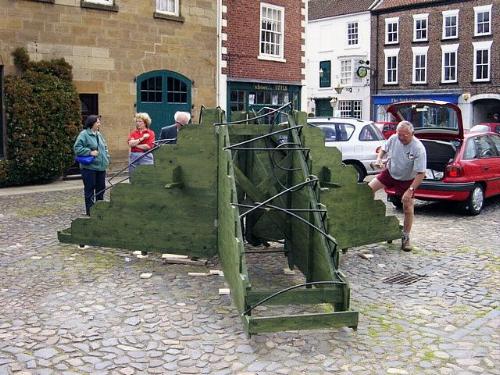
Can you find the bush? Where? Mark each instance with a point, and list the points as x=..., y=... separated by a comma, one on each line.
x=42, y=118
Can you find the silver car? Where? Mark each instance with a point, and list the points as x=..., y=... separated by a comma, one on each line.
x=358, y=140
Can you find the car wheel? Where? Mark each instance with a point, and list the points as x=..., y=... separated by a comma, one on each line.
x=360, y=170
x=474, y=203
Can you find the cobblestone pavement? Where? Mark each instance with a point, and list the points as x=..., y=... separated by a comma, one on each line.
x=65, y=310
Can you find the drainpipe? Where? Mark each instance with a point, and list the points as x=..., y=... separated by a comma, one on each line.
x=219, y=53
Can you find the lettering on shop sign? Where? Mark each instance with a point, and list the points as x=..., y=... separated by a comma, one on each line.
x=259, y=86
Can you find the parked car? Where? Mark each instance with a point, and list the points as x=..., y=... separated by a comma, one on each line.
x=358, y=140
x=487, y=127
x=387, y=128
x=461, y=167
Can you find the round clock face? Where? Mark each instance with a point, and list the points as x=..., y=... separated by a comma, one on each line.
x=362, y=72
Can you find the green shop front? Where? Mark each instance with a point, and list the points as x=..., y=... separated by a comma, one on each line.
x=254, y=96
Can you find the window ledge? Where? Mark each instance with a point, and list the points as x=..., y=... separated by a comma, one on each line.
x=420, y=41
x=419, y=83
x=449, y=82
x=90, y=5
x=44, y=1
x=481, y=35
x=271, y=58
x=391, y=43
x=391, y=83
x=449, y=39
x=169, y=17
x=481, y=81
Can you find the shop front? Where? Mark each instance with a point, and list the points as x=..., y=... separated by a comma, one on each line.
x=382, y=101
x=254, y=96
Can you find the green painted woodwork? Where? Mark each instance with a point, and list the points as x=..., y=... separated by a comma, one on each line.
x=354, y=217
x=297, y=297
x=161, y=93
x=190, y=202
x=156, y=211
x=302, y=322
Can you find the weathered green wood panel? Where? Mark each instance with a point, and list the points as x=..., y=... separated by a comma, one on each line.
x=298, y=297
x=148, y=215
x=295, y=322
x=230, y=239
x=354, y=217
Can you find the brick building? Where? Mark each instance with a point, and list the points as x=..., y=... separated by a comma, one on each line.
x=433, y=49
x=156, y=56
x=262, y=54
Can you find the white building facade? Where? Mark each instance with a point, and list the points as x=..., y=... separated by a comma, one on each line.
x=337, y=66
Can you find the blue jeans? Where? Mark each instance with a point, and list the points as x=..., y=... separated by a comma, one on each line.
x=94, y=183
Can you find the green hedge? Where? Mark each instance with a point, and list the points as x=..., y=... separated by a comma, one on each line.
x=42, y=117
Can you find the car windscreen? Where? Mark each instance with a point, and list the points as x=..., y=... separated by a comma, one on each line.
x=335, y=132
x=430, y=116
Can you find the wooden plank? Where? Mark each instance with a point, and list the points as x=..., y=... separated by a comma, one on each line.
x=297, y=297
x=302, y=322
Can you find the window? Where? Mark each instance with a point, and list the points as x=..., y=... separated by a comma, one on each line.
x=168, y=7
x=352, y=33
x=151, y=90
x=391, y=66
x=237, y=100
x=346, y=72
x=482, y=20
x=420, y=27
x=449, y=63
x=482, y=61
x=391, y=30
x=176, y=91
x=450, y=24
x=271, y=31
x=96, y=4
x=420, y=64
x=370, y=133
x=325, y=72
x=350, y=108
x=102, y=2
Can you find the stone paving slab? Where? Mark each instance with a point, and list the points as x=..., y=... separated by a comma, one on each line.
x=65, y=310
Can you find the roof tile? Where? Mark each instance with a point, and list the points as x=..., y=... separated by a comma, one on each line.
x=330, y=8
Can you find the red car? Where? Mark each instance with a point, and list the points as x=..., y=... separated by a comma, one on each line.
x=460, y=167
x=387, y=128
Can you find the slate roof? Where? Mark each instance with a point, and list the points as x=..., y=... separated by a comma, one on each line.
x=388, y=4
x=330, y=8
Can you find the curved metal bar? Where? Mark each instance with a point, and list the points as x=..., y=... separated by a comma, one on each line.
x=263, y=136
x=280, y=109
x=297, y=186
x=326, y=235
x=291, y=288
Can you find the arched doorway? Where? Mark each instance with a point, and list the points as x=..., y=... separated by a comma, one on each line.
x=161, y=93
x=484, y=106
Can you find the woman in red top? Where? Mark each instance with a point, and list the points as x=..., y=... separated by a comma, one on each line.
x=140, y=141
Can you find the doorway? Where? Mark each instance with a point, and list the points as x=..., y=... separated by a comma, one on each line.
x=161, y=93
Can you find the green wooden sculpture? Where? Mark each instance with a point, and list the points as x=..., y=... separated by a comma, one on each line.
x=222, y=184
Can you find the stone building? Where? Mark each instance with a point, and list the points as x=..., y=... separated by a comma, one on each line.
x=263, y=54
x=155, y=56
x=433, y=49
